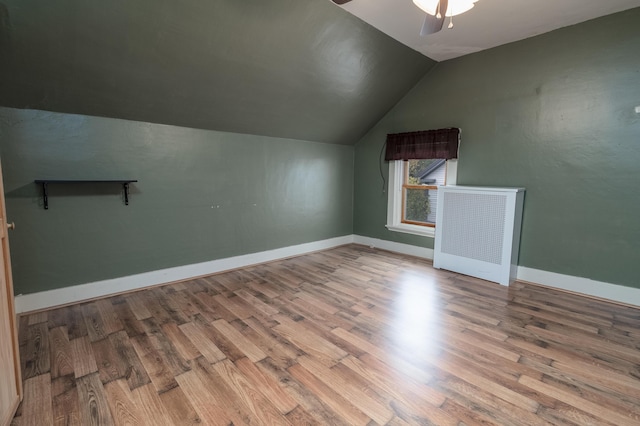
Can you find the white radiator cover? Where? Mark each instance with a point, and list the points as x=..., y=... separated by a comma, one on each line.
x=478, y=231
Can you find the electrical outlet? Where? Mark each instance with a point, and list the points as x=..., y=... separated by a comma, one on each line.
x=638, y=109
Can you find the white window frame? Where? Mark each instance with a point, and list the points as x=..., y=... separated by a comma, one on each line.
x=394, y=201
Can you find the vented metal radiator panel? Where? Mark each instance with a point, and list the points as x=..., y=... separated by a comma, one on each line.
x=476, y=231
x=474, y=226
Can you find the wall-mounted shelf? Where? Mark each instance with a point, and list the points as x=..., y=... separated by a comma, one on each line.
x=46, y=182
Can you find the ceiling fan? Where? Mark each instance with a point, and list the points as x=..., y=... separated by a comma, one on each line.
x=437, y=11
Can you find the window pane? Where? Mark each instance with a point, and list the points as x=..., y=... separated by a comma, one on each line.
x=420, y=205
x=426, y=172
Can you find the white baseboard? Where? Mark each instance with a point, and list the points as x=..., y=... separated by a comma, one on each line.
x=586, y=286
x=423, y=252
x=78, y=293
x=62, y=296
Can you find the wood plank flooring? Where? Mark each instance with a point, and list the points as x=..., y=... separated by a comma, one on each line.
x=347, y=336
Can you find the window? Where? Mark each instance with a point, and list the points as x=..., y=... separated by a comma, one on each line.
x=419, y=196
x=413, y=186
x=413, y=176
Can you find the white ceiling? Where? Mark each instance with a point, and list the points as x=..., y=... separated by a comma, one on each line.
x=489, y=24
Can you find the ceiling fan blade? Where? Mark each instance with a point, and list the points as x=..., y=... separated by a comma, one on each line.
x=341, y=1
x=433, y=24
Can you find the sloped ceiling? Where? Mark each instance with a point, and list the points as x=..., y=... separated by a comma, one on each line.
x=302, y=69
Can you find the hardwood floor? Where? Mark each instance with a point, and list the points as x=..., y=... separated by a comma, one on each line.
x=350, y=335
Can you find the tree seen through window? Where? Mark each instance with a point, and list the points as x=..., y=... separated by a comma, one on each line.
x=419, y=190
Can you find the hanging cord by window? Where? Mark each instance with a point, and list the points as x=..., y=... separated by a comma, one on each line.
x=380, y=161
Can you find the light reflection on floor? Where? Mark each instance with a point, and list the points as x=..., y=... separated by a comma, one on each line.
x=415, y=332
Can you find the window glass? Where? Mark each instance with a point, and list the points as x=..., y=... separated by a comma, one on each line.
x=419, y=190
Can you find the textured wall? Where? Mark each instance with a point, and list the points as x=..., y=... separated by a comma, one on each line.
x=201, y=195
x=302, y=69
x=554, y=114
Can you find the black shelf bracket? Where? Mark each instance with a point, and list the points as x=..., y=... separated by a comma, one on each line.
x=45, y=194
x=46, y=182
x=125, y=188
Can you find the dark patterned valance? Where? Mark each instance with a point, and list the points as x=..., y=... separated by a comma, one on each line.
x=426, y=144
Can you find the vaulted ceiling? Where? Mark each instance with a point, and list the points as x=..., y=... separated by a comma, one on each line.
x=302, y=69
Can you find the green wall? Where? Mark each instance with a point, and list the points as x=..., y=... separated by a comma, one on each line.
x=202, y=195
x=554, y=114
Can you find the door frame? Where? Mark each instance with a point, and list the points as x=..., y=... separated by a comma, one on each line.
x=6, y=258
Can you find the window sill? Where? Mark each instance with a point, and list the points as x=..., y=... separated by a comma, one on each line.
x=424, y=231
